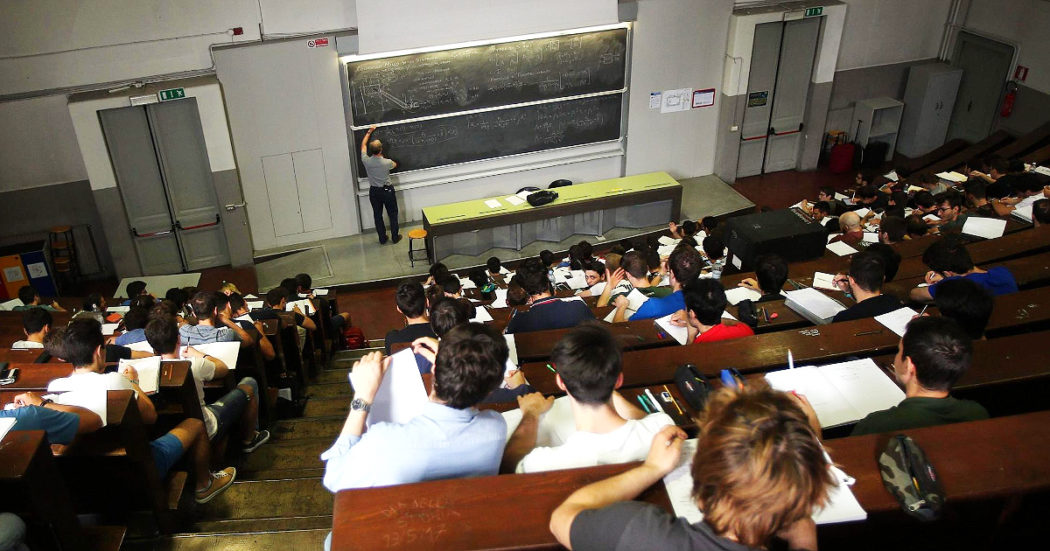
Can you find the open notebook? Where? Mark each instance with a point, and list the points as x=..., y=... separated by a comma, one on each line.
x=148, y=370
x=840, y=393
x=842, y=504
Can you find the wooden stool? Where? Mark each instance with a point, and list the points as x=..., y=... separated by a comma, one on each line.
x=412, y=236
x=63, y=250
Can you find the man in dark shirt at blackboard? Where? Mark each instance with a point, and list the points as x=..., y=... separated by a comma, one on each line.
x=380, y=192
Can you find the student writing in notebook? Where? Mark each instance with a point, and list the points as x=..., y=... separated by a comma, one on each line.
x=684, y=264
x=771, y=273
x=931, y=357
x=608, y=428
x=758, y=474
x=947, y=259
x=705, y=301
x=867, y=272
x=545, y=310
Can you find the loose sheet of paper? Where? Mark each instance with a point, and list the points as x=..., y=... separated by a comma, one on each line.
x=667, y=240
x=577, y=280
x=254, y=304
x=95, y=399
x=737, y=294
x=871, y=237
x=897, y=320
x=11, y=304
x=225, y=351
x=401, y=394
x=493, y=203
x=148, y=370
x=988, y=228
x=841, y=248
x=109, y=328
x=555, y=426
x=481, y=315
x=304, y=306
x=932, y=218
x=892, y=176
x=514, y=200
x=679, y=484
x=952, y=176
x=823, y=280
x=141, y=346
x=501, y=299
x=635, y=299
x=680, y=334
x=5, y=425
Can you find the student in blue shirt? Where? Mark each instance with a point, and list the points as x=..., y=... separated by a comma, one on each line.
x=684, y=265
x=949, y=259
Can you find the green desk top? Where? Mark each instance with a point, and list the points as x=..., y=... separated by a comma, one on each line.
x=466, y=210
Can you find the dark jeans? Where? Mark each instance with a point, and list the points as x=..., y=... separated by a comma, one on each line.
x=384, y=197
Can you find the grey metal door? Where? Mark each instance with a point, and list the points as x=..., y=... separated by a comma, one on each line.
x=782, y=60
x=986, y=66
x=161, y=166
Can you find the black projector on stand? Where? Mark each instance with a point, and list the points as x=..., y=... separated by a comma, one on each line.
x=790, y=233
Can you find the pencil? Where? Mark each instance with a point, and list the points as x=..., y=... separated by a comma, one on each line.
x=551, y=368
x=673, y=401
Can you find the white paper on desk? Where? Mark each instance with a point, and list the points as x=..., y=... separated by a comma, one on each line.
x=95, y=399
x=503, y=270
x=823, y=280
x=561, y=274
x=5, y=425
x=246, y=317
x=1042, y=170
x=680, y=334
x=871, y=237
x=952, y=176
x=148, y=370
x=304, y=306
x=679, y=485
x=251, y=296
x=842, y=504
x=833, y=236
x=493, y=203
x=11, y=304
x=512, y=348
x=577, y=280
x=109, y=328
x=320, y=292
x=501, y=299
x=481, y=315
x=897, y=320
x=827, y=219
x=892, y=176
x=988, y=228
x=635, y=299
x=1024, y=212
x=141, y=346
x=667, y=240
x=737, y=294
x=814, y=302
x=467, y=284
x=555, y=426
x=118, y=309
x=524, y=194
x=862, y=212
x=797, y=205
x=840, y=196
x=841, y=248
x=514, y=200
x=612, y=315
x=840, y=393
x=401, y=393
x=914, y=189
x=727, y=316
x=254, y=304
x=225, y=351
x=932, y=218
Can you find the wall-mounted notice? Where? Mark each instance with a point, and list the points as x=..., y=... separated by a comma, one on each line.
x=655, y=100
x=676, y=100
x=703, y=98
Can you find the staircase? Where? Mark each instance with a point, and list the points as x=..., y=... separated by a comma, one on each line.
x=278, y=501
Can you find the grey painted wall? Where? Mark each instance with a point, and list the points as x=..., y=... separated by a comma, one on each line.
x=1031, y=109
x=817, y=102
x=29, y=214
x=868, y=82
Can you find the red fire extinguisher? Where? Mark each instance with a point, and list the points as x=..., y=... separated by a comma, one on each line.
x=1009, y=99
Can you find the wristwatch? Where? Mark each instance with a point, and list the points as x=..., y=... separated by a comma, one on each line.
x=358, y=404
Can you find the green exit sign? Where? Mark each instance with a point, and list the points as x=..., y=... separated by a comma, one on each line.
x=815, y=12
x=171, y=93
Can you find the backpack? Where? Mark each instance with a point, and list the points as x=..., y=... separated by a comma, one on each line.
x=354, y=338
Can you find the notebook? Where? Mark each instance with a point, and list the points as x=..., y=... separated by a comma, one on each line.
x=813, y=305
x=148, y=370
x=840, y=393
x=988, y=228
x=737, y=294
x=841, y=248
x=401, y=393
x=897, y=320
x=225, y=351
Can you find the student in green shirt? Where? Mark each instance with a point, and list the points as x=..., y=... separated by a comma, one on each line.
x=31, y=299
x=932, y=355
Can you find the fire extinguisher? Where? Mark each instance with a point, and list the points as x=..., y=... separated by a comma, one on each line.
x=1009, y=99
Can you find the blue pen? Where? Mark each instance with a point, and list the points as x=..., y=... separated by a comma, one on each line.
x=644, y=406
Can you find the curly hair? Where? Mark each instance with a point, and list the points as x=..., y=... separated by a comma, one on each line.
x=469, y=364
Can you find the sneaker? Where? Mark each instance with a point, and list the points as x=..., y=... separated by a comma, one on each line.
x=396, y=239
x=220, y=482
x=261, y=437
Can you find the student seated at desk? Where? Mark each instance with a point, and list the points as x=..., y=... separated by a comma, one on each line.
x=931, y=356
x=633, y=274
x=255, y=329
x=304, y=285
x=850, y=226
x=94, y=307
x=948, y=258
x=450, y=284
x=916, y=226
x=705, y=301
x=82, y=344
x=545, y=310
x=609, y=429
x=715, y=254
x=966, y=302
x=31, y=299
x=867, y=273
x=949, y=210
x=892, y=229
x=36, y=324
x=134, y=325
x=448, y=439
x=240, y=405
x=684, y=264
x=133, y=290
x=771, y=273
x=410, y=301
x=62, y=423
x=275, y=302
x=596, y=275
x=870, y=198
x=213, y=324
x=758, y=473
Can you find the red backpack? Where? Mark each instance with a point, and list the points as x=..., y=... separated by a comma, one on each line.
x=354, y=338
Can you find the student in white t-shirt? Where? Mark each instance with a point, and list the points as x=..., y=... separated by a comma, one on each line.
x=609, y=429
x=36, y=323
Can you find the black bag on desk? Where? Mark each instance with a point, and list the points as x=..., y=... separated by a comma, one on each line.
x=693, y=386
x=542, y=197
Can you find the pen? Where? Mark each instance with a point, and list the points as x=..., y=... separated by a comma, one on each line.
x=791, y=360
x=642, y=401
x=923, y=310
x=765, y=314
x=673, y=401
x=862, y=333
x=551, y=368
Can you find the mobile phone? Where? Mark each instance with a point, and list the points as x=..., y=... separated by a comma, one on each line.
x=8, y=376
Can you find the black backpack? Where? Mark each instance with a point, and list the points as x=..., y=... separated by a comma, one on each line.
x=542, y=197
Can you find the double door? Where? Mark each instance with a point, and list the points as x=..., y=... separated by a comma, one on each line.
x=778, y=86
x=161, y=165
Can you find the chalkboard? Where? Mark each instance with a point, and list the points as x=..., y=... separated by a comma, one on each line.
x=463, y=138
x=450, y=81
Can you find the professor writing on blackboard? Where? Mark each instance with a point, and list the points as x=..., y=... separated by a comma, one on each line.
x=380, y=192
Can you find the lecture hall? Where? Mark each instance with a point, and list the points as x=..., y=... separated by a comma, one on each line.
x=599, y=274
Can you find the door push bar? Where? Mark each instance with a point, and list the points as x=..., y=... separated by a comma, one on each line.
x=136, y=233
x=795, y=131
x=215, y=223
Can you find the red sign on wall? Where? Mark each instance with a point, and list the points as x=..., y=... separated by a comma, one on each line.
x=1021, y=73
x=317, y=43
